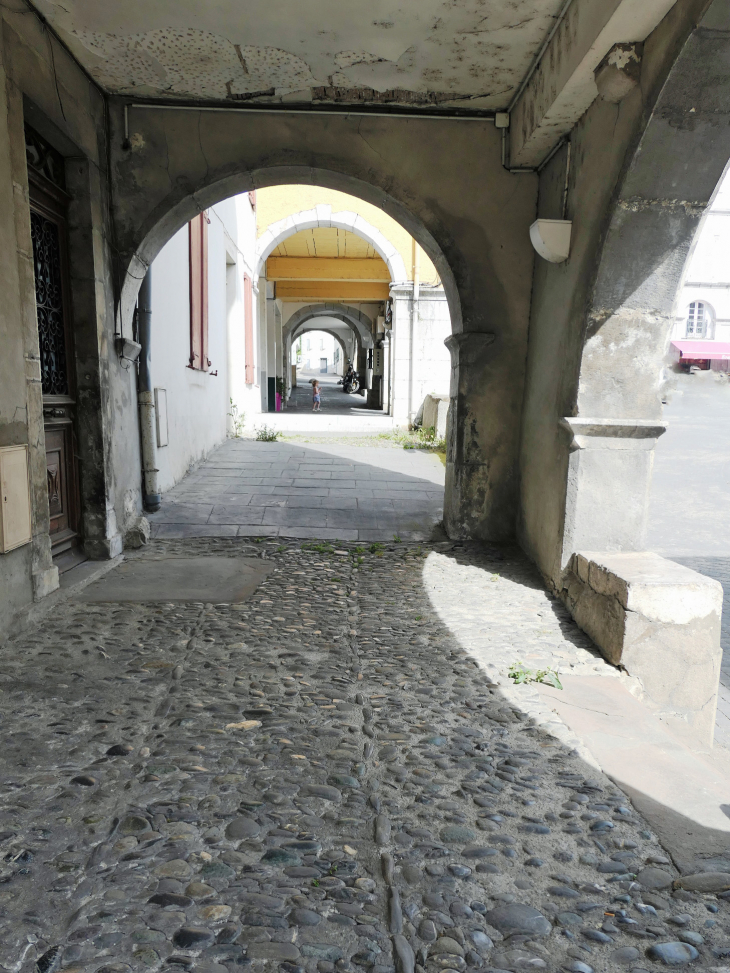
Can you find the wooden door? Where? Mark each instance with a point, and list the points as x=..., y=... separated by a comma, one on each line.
x=48, y=205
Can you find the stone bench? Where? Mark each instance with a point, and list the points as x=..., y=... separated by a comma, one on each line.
x=661, y=622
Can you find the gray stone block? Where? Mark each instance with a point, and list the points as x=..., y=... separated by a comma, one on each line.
x=661, y=622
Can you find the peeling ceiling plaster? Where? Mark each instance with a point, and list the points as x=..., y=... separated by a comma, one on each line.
x=468, y=53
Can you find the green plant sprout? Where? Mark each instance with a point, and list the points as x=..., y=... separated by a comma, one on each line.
x=238, y=419
x=520, y=674
x=266, y=435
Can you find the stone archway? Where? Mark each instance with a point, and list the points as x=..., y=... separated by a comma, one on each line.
x=303, y=329
x=478, y=255
x=601, y=321
x=359, y=322
x=322, y=216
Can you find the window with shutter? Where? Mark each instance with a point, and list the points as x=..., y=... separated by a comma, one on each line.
x=198, y=237
x=248, y=327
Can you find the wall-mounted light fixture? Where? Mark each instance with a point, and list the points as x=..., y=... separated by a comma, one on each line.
x=551, y=239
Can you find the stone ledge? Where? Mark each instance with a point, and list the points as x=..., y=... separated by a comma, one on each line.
x=661, y=622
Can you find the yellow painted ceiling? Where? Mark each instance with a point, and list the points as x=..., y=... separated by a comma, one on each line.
x=274, y=203
x=325, y=241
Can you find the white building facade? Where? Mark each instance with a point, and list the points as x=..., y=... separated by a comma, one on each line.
x=204, y=347
x=701, y=334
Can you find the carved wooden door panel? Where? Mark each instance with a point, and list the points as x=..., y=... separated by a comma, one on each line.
x=48, y=203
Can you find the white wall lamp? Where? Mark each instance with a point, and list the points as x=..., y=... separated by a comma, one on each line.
x=551, y=239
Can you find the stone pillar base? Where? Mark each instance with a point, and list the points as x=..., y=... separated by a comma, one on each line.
x=137, y=535
x=661, y=622
x=45, y=581
x=103, y=549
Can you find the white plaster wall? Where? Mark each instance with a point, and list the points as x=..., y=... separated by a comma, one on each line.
x=198, y=402
x=316, y=345
x=432, y=361
x=430, y=370
x=238, y=220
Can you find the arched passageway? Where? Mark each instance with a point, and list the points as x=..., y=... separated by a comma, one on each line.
x=399, y=312
x=560, y=458
x=357, y=342
x=553, y=418
x=486, y=389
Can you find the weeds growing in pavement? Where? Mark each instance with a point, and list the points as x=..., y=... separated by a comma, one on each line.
x=321, y=548
x=264, y=434
x=421, y=438
x=521, y=674
x=238, y=420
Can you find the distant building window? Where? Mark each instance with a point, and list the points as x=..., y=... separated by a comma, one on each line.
x=698, y=319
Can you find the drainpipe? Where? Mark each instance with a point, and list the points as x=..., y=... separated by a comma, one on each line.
x=145, y=398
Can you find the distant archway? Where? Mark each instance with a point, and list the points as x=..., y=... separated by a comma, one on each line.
x=360, y=323
x=322, y=216
x=304, y=330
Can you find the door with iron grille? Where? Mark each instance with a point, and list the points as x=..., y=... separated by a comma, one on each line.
x=48, y=207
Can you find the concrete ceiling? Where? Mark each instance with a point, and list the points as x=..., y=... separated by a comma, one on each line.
x=452, y=53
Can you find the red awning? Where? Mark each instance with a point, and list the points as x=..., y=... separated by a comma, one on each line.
x=714, y=350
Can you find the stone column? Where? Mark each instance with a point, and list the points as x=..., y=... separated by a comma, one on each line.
x=103, y=385
x=26, y=573
x=387, y=378
x=400, y=336
x=609, y=477
x=476, y=502
x=270, y=348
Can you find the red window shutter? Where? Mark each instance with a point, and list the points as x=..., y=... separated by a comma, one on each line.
x=198, y=243
x=195, y=244
x=248, y=327
x=204, y=290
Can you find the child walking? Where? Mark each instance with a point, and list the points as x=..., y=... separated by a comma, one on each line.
x=316, y=396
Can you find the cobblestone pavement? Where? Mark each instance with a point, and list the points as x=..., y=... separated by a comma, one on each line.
x=317, y=779
x=334, y=492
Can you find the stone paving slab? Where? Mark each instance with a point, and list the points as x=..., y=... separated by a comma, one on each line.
x=179, y=579
x=351, y=492
x=319, y=778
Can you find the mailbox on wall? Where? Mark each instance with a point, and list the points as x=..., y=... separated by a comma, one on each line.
x=15, y=525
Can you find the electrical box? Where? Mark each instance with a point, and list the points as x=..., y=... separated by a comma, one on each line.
x=380, y=324
x=15, y=529
x=378, y=361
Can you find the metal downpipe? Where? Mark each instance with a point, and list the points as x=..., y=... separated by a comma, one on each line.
x=145, y=397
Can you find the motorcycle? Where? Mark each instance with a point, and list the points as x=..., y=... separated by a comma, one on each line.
x=350, y=383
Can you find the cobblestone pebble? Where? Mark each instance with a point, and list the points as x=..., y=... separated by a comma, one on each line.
x=320, y=779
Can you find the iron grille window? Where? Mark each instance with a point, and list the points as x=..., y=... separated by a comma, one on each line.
x=49, y=304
